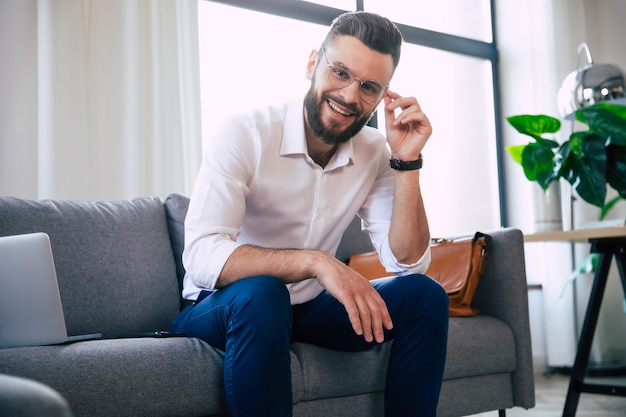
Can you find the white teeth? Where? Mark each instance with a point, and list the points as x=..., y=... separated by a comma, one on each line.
x=337, y=109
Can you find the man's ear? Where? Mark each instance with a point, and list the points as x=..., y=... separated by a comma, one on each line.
x=311, y=64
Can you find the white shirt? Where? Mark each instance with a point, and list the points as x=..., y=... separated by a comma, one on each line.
x=257, y=185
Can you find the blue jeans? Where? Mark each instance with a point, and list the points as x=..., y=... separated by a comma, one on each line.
x=253, y=322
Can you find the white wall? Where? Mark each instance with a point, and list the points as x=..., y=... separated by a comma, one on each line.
x=606, y=30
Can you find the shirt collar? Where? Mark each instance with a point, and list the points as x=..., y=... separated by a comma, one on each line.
x=294, y=139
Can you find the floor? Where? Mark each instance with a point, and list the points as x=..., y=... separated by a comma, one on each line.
x=550, y=390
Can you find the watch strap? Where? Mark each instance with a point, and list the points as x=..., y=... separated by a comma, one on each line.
x=400, y=165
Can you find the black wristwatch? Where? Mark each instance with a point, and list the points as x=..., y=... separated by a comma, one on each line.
x=406, y=166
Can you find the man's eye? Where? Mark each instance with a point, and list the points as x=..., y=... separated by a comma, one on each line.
x=339, y=73
x=370, y=87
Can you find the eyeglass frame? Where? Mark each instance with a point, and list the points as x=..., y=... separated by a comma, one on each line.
x=351, y=77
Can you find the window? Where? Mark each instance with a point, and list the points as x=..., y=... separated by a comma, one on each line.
x=240, y=71
x=470, y=19
x=460, y=178
x=257, y=54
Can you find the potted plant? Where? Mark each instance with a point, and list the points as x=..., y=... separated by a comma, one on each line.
x=589, y=160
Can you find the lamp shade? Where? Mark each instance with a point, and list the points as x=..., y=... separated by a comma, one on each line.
x=591, y=84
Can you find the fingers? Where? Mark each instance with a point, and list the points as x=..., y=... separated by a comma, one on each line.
x=411, y=109
x=390, y=109
x=369, y=317
x=409, y=129
x=366, y=309
x=354, y=317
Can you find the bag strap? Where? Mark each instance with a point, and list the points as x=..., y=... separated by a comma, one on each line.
x=475, y=236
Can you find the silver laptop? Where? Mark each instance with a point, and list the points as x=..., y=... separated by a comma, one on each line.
x=31, y=313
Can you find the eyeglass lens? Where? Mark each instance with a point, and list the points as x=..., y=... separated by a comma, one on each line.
x=370, y=91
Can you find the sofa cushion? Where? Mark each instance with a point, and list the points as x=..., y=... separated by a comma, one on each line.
x=149, y=376
x=175, y=376
x=176, y=207
x=330, y=373
x=114, y=261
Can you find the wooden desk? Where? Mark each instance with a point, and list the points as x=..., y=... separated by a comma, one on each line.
x=609, y=243
x=578, y=235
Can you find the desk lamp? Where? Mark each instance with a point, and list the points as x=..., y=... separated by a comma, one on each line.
x=591, y=84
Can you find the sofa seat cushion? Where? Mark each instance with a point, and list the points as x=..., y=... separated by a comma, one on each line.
x=479, y=345
x=175, y=376
x=329, y=373
x=114, y=261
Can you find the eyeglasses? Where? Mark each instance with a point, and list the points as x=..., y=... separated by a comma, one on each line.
x=370, y=91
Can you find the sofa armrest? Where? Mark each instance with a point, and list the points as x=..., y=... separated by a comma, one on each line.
x=503, y=293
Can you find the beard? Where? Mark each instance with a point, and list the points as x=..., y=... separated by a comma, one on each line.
x=330, y=135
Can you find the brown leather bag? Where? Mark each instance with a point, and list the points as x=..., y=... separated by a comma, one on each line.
x=457, y=264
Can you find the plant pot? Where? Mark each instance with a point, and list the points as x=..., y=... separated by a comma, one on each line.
x=547, y=207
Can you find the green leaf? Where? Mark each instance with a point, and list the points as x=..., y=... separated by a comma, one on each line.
x=607, y=120
x=608, y=206
x=516, y=152
x=582, y=162
x=538, y=164
x=616, y=168
x=588, y=265
x=536, y=126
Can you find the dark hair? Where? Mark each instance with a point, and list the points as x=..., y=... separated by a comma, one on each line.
x=376, y=32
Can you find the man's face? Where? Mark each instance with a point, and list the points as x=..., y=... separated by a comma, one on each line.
x=337, y=114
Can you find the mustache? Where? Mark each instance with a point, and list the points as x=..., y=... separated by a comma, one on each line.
x=351, y=107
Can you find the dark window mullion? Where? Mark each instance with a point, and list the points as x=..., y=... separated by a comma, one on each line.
x=447, y=42
x=498, y=118
x=299, y=10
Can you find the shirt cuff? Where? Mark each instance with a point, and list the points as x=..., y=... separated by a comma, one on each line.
x=204, y=261
x=392, y=265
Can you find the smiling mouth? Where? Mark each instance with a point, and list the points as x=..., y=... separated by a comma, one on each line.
x=338, y=109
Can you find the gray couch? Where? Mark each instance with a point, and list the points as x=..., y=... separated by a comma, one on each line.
x=119, y=270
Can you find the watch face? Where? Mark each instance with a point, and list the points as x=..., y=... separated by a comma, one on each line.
x=395, y=164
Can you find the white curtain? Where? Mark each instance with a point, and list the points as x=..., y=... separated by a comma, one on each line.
x=117, y=99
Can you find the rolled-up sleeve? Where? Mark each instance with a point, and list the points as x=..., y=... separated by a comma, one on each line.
x=376, y=221
x=391, y=264
x=217, y=207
